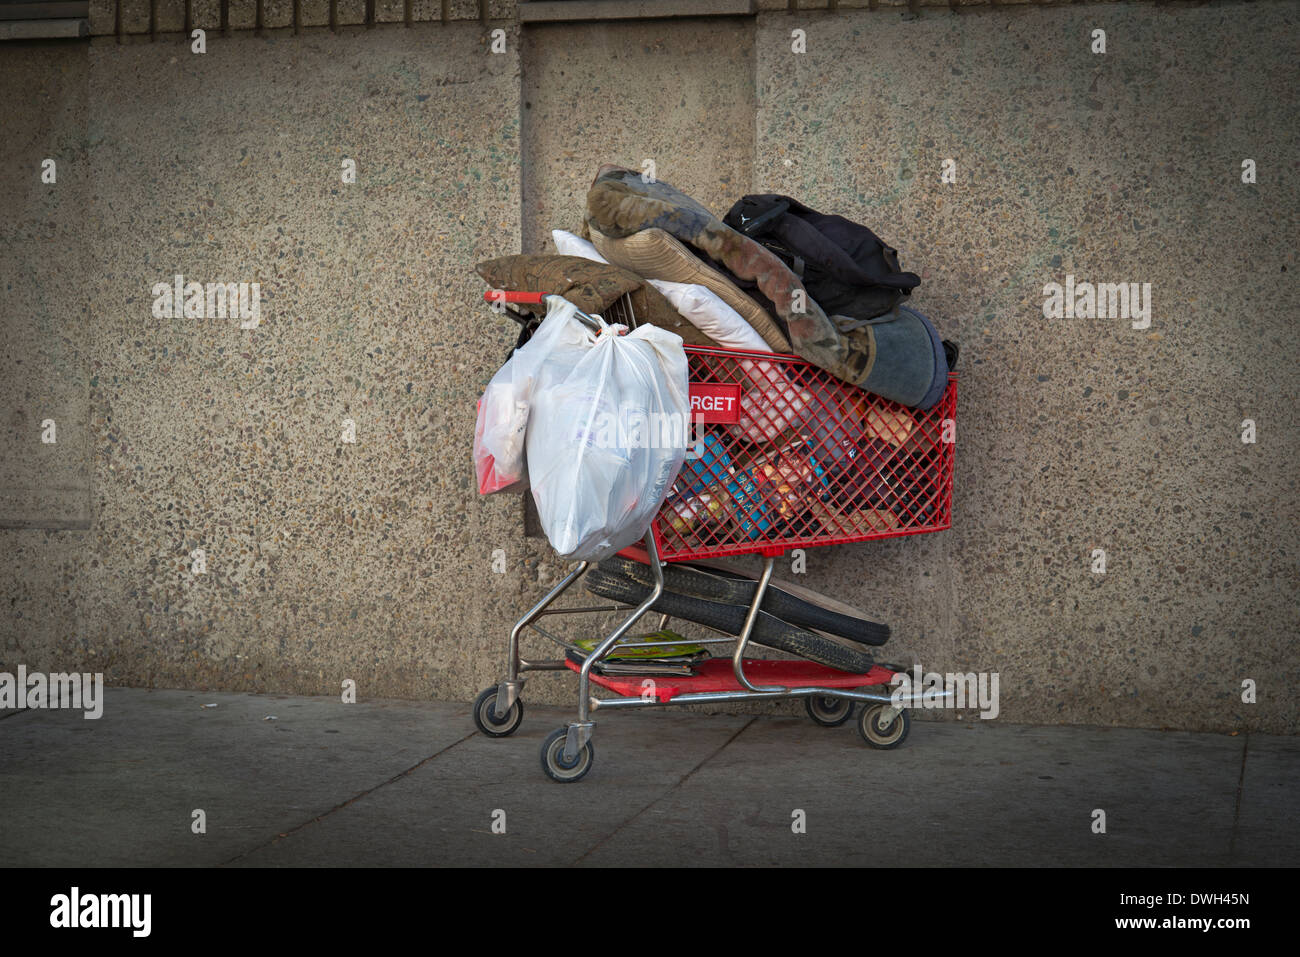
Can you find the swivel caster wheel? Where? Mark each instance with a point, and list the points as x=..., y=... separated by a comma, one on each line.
x=485, y=716
x=557, y=766
x=827, y=711
x=888, y=736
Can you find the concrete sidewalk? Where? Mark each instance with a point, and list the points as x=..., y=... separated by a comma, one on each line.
x=412, y=783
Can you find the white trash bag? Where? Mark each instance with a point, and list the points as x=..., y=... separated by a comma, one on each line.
x=500, y=429
x=607, y=433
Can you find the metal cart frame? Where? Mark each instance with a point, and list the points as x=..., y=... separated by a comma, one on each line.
x=567, y=753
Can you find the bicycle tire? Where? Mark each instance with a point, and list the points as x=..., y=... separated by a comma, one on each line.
x=730, y=619
x=734, y=589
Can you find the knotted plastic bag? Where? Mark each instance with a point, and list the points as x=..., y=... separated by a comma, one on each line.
x=606, y=435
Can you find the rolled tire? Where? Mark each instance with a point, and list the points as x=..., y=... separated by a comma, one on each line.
x=730, y=619
x=714, y=585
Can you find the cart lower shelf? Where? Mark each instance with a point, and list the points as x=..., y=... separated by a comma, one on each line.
x=717, y=675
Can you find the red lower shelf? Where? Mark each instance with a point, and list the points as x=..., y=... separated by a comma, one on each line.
x=716, y=674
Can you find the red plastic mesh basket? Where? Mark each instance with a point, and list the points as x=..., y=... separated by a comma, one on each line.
x=787, y=456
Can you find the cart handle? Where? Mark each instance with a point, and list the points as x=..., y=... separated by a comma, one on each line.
x=539, y=299
x=506, y=295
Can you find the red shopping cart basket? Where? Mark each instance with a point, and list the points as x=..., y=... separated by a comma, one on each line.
x=785, y=455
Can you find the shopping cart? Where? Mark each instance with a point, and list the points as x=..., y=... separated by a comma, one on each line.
x=784, y=456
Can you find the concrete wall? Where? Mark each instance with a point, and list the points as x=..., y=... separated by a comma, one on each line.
x=1077, y=434
x=371, y=561
x=322, y=557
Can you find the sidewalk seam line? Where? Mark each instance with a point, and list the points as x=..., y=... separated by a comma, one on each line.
x=285, y=835
x=1236, y=805
x=684, y=778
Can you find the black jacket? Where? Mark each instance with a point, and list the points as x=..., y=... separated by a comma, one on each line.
x=845, y=267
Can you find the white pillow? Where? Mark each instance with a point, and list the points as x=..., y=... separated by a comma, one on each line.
x=567, y=244
x=711, y=315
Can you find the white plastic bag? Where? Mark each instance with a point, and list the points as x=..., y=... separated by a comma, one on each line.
x=501, y=420
x=607, y=434
x=500, y=429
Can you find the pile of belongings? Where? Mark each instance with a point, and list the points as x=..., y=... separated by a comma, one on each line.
x=773, y=275
x=806, y=455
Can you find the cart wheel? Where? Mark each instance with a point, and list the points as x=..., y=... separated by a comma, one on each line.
x=885, y=738
x=827, y=711
x=555, y=765
x=486, y=719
